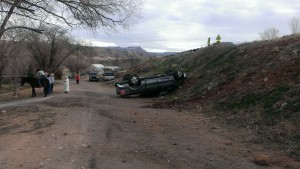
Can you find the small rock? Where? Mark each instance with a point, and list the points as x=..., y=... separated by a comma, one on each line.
x=261, y=160
x=228, y=143
x=85, y=145
x=283, y=104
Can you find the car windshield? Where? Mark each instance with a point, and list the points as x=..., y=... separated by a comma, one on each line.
x=93, y=74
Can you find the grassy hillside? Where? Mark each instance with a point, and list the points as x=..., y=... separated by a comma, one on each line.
x=255, y=86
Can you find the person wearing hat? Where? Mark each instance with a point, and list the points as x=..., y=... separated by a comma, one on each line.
x=40, y=75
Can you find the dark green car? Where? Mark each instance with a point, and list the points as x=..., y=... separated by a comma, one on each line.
x=150, y=86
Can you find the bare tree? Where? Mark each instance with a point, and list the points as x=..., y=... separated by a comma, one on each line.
x=15, y=68
x=269, y=34
x=50, y=49
x=108, y=14
x=294, y=25
x=91, y=53
x=3, y=61
x=9, y=48
x=77, y=61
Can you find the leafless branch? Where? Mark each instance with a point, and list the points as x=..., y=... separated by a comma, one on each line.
x=23, y=27
x=88, y=14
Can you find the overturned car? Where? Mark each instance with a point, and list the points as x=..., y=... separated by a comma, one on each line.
x=150, y=86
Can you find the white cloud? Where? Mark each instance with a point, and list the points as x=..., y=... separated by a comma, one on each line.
x=100, y=43
x=177, y=25
x=95, y=42
x=155, y=50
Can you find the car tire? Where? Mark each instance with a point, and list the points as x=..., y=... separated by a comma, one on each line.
x=178, y=75
x=134, y=80
x=126, y=77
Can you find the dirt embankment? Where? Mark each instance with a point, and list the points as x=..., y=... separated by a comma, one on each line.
x=252, y=85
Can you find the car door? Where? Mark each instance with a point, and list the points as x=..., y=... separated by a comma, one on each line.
x=151, y=84
x=165, y=82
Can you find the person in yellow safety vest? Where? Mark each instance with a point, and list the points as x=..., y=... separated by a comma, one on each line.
x=218, y=39
x=208, y=41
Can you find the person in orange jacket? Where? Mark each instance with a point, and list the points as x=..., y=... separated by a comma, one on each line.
x=77, y=77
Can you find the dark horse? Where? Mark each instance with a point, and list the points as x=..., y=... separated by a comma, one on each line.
x=35, y=84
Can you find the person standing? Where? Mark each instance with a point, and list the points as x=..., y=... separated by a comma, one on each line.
x=52, y=80
x=66, y=84
x=208, y=41
x=40, y=75
x=77, y=77
x=218, y=39
x=48, y=89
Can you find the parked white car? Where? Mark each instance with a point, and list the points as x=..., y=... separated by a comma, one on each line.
x=108, y=76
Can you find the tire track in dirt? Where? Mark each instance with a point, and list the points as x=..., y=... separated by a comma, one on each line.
x=25, y=101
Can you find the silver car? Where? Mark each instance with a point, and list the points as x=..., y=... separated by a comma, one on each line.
x=108, y=76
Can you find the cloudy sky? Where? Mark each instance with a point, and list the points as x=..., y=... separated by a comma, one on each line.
x=179, y=25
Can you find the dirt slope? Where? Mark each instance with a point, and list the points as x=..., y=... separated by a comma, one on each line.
x=254, y=85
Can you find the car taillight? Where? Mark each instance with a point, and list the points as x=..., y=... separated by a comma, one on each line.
x=122, y=92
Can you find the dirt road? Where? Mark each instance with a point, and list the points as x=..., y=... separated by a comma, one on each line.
x=92, y=128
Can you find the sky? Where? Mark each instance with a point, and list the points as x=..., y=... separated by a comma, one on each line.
x=180, y=25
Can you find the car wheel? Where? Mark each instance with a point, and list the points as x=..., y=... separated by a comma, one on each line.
x=178, y=75
x=126, y=77
x=134, y=80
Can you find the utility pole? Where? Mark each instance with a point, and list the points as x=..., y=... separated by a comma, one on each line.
x=77, y=70
x=131, y=58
